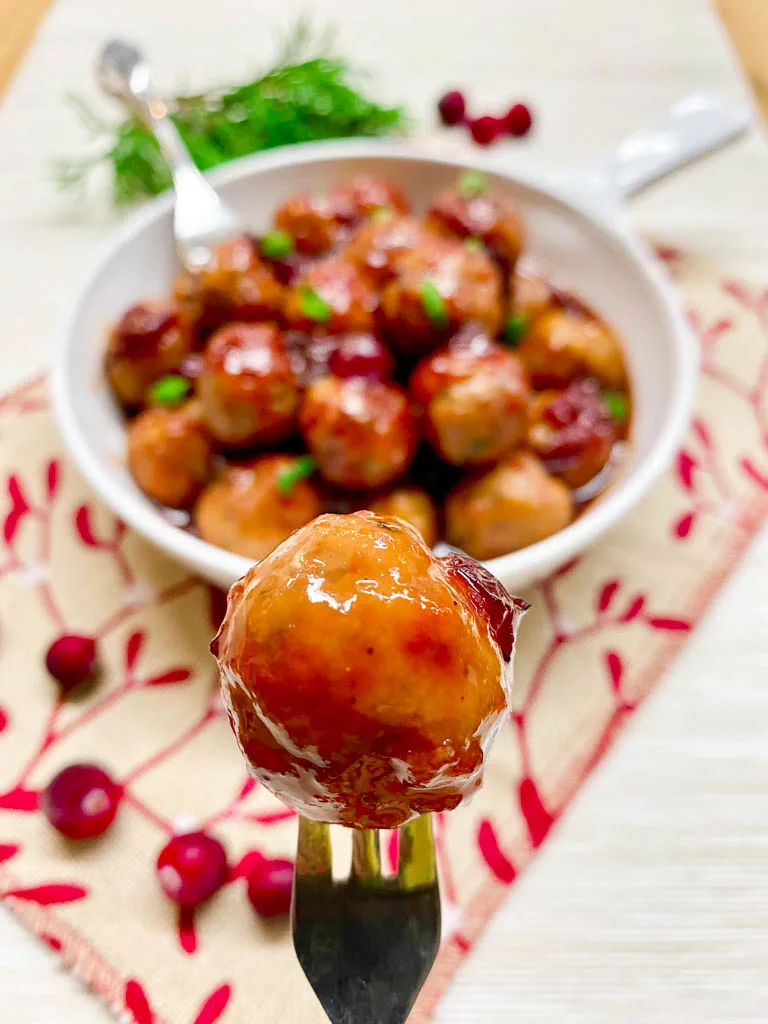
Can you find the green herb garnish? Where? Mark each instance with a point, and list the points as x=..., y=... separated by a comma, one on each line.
x=472, y=183
x=314, y=306
x=276, y=245
x=433, y=305
x=381, y=213
x=474, y=244
x=170, y=390
x=303, y=467
x=307, y=94
x=515, y=328
x=617, y=405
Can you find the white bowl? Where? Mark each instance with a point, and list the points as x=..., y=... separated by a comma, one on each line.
x=576, y=234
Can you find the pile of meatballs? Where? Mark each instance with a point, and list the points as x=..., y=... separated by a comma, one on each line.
x=357, y=356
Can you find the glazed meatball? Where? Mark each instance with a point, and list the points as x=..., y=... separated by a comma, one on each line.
x=474, y=398
x=334, y=296
x=412, y=504
x=572, y=431
x=364, y=677
x=515, y=504
x=472, y=211
x=248, y=389
x=530, y=294
x=440, y=286
x=361, y=355
x=359, y=429
x=378, y=246
x=170, y=454
x=366, y=195
x=151, y=340
x=562, y=344
x=253, y=507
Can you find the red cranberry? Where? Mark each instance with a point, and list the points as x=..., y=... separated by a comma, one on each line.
x=362, y=355
x=485, y=130
x=578, y=416
x=81, y=801
x=71, y=659
x=452, y=107
x=287, y=269
x=191, y=868
x=518, y=120
x=489, y=598
x=269, y=887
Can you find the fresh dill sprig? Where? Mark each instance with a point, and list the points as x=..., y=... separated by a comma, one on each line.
x=308, y=94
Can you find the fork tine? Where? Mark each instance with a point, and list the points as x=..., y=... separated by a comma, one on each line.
x=417, y=866
x=366, y=855
x=313, y=852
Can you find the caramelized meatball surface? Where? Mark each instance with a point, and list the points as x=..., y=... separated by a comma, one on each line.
x=480, y=213
x=247, y=386
x=170, y=454
x=250, y=509
x=364, y=677
x=150, y=340
x=475, y=397
x=366, y=194
x=359, y=429
x=439, y=286
x=379, y=245
x=412, y=504
x=572, y=431
x=515, y=504
x=530, y=294
x=332, y=295
x=563, y=344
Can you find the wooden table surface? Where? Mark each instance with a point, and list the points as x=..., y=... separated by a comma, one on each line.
x=650, y=903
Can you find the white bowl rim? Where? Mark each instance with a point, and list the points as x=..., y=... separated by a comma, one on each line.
x=530, y=562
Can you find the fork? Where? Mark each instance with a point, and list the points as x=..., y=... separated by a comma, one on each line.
x=366, y=944
x=200, y=218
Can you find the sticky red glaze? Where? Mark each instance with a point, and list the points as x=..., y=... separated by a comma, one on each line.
x=491, y=599
x=378, y=247
x=363, y=195
x=170, y=454
x=361, y=355
x=362, y=674
x=487, y=215
x=237, y=284
x=351, y=298
x=150, y=340
x=81, y=801
x=191, y=868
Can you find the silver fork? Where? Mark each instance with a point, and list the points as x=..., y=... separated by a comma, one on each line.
x=200, y=218
x=366, y=944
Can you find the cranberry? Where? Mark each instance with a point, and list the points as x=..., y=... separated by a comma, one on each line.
x=577, y=415
x=485, y=130
x=518, y=120
x=287, y=269
x=490, y=600
x=71, y=659
x=191, y=868
x=362, y=355
x=452, y=107
x=270, y=884
x=143, y=325
x=81, y=801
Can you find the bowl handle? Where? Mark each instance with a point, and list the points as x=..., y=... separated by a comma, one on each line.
x=691, y=128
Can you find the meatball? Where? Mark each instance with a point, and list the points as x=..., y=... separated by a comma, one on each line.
x=412, y=504
x=440, y=286
x=253, y=507
x=247, y=386
x=366, y=195
x=359, y=429
x=530, y=294
x=474, y=399
x=475, y=212
x=378, y=246
x=151, y=339
x=333, y=295
x=572, y=431
x=515, y=504
x=170, y=454
x=562, y=344
x=364, y=677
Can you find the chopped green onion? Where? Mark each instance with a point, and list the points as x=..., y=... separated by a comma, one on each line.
x=314, y=306
x=472, y=183
x=617, y=405
x=170, y=390
x=303, y=467
x=276, y=245
x=433, y=304
x=515, y=328
x=381, y=213
x=474, y=244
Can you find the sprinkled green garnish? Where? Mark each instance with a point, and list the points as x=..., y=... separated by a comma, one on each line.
x=170, y=390
x=515, y=328
x=314, y=306
x=472, y=183
x=474, y=244
x=433, y=305
x=303, y=467
x=381, y=213
x=276, y=245
x=617, y=405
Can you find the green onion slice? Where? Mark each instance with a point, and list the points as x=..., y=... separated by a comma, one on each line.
x=472, y=183
x=433, y=305
x=276, y=245
x=515, y=328
x=314, y=306
x=170, y=390
x=617, y=405
x=303, y=467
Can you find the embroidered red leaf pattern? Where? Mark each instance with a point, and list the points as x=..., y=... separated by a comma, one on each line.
x=760, y=478
x=701, y=431
x=51, y=941
x=48, y=895
x=272, y=817
x=19, y=799
x=674, y=625
x=4, y=719
x=634, y=608
x=537, y=817
x=19, y=509
x=186, y=927
x=498, y=863
x=684, y=525
x=133, y=648
x=84, y=528
x=736, y=291
x=52, y=478
x=250, y=860
x=8, y=850
x=606, y=595
x=137, y=1004
x=615, y=668
x=214, y=1005
x=565, y=568
x=685, y=466
x=173, y=675
x=247, y=787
